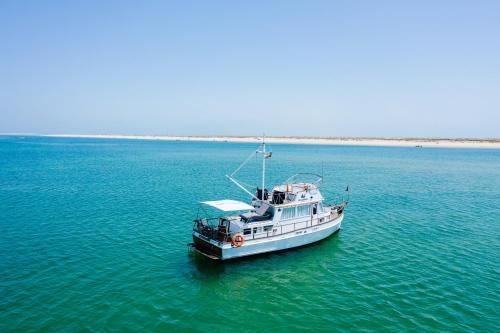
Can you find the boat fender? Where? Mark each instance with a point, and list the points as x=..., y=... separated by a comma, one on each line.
x=238, y=240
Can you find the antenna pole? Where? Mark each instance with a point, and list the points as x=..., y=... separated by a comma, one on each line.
x=263, y=164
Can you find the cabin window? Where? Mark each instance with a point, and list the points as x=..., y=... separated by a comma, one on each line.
x=304, y=210
x=320, y=207
x=268, y=227
x=247, y=231
x=257, y=229
x=288, y=213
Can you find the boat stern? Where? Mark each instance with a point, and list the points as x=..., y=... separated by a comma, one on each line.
x=207, y=247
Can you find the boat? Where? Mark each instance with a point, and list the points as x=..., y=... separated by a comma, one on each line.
x=291, y=215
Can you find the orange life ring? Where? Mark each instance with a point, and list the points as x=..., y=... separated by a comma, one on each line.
x=238, y=240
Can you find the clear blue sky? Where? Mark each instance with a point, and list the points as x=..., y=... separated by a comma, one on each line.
x=335, y=68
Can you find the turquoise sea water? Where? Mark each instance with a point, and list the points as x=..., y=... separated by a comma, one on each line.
x=93, y=237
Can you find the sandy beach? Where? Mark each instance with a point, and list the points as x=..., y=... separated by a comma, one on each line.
x=393, y=142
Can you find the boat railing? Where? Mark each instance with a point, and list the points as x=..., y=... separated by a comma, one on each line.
x=296, y=226
x=209, y=229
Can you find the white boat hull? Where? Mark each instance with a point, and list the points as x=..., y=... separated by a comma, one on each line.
x=279, y=242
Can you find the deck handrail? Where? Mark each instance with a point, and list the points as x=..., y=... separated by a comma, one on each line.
x=270, y=233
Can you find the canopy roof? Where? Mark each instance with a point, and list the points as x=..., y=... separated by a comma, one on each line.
x=228, y=205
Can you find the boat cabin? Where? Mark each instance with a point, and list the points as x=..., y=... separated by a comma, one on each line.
x=288, y=207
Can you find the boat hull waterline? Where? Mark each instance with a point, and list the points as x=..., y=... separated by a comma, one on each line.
x=297, y=238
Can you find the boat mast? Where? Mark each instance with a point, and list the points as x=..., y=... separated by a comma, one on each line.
x=263, y=165
x=265, y=155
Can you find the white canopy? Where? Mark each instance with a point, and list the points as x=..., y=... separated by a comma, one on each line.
x=228, y=205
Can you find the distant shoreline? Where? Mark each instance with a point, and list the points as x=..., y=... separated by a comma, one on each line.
x=348, y=141
x=345, y=141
